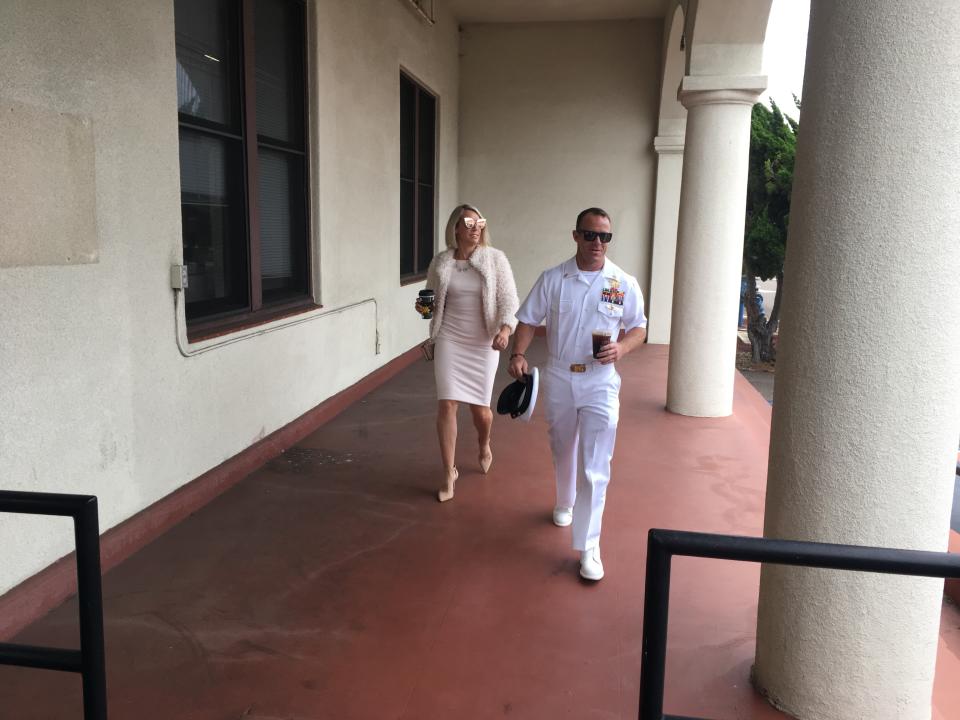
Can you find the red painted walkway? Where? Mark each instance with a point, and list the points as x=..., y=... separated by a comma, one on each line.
x=331, y=585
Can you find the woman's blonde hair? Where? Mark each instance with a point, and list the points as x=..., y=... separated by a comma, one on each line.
x=451, y=234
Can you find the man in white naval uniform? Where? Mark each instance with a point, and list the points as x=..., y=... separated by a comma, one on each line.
x=582, y=393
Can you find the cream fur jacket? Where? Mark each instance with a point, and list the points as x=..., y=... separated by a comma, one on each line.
x=500, y=302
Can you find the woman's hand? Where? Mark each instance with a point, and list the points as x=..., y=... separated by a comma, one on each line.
x=501, y=338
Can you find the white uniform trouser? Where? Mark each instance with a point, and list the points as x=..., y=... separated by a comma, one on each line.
x=582, y=411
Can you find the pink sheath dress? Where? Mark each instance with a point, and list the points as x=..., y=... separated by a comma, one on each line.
x=464, y=362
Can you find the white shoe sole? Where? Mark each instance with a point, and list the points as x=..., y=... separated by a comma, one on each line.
x=587, y=576
x=559, y=523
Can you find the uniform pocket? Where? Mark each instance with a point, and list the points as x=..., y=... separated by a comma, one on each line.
x=609, y=317
x=610, y=310
x=562, y=307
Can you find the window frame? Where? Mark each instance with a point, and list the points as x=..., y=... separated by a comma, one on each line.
x=420, y=87
x=256, y=312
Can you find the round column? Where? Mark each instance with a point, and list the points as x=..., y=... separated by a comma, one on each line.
x=664, y=257
x=867, y=403
x=703, y=331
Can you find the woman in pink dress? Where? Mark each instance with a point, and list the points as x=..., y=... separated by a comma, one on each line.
x=473, y=317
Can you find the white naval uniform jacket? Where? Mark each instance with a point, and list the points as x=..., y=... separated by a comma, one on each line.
x=582, y=406
x=570, y=329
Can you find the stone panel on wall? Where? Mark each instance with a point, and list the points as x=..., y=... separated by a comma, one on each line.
x=47, y=187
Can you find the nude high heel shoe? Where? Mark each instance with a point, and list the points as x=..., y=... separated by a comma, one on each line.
x=446, y=492
x=486, y=460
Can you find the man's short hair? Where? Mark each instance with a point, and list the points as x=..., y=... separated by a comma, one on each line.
x=592, y=211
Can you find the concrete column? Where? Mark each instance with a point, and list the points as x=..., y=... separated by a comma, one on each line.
x=706, y=290
x=867, y=404
x=666, y=213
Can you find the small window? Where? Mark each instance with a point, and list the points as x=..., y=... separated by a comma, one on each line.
x=241, y=97
x=418, y=172
x=424, y=8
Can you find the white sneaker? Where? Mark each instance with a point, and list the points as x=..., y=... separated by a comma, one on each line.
x=562, y=516
x=590, y=566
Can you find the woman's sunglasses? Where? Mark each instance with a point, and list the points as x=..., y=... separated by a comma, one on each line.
x=591, y=235
x=469, y=223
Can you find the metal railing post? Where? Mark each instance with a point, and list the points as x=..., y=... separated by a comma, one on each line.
x=663, y=545
x=656, y=605
x=89, y=660
x=90, y=595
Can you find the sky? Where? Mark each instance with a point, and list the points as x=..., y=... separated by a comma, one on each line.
x=783, y=52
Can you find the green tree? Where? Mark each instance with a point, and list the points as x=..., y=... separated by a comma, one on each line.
x=773, y=145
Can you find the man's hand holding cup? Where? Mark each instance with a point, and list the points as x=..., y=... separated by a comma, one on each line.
x=605, y=349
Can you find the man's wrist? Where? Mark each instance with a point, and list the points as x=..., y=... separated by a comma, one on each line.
x=517, y=354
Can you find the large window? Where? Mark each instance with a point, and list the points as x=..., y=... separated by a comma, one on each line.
x=241, y=96
x=418, y=129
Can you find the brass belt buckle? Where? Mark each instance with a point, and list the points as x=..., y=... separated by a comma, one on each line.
x=578, y=368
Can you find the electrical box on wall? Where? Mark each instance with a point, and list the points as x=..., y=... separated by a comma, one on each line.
x=178, y=277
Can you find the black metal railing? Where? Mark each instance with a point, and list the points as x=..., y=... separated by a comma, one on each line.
x=89, y=660
x=662, y=545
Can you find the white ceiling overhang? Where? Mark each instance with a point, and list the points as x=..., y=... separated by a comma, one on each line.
x=506, y=11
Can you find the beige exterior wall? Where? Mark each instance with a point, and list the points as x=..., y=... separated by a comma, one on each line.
x=96, y=396
x=556, y=117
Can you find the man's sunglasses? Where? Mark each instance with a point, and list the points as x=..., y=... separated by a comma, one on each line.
x=469, y=222
x=591, y=235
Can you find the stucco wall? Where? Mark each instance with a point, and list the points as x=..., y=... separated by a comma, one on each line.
x=96, y=398
x=556, y=117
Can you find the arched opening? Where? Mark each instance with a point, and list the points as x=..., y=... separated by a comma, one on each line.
x=673, y=115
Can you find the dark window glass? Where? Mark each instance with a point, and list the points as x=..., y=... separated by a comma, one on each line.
x=418, y=128
x=425, y=233
x=208, y=57
x=408, y=216
x=408, y=129
x=241, y=94
x=426, y=132
x=283, y=250
x=279, y=60
x=214, y=223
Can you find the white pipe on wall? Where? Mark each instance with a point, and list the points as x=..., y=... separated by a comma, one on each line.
x=183, y=343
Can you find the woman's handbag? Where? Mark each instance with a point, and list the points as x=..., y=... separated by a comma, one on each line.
x=426, y=348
